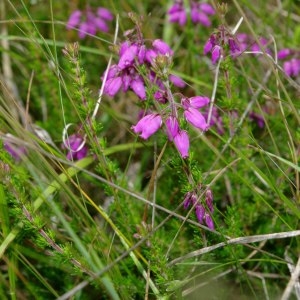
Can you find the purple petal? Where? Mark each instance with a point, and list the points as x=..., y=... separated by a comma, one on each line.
x=124, y=46
x=209, y=221
x=148, y=125
x=161, y=47
x=150, y=55
x=138, y=87
x=194, y=117
x=175, y=8
x=200, y=212
x=128, y=57
x=177, y=81
x=187, y=200
x=207, y=8
x=15, y=151
x=284, y=53
x=83, y=30
x=74, y=19
x=182, y=143
x=142, y=54
x=105, y=14
x=112, y=86
x=215, y=54
x=208, y=46
x=172, y=127
x=198, y=101
x=101, y=25
x=209, y=200
x=288, y=68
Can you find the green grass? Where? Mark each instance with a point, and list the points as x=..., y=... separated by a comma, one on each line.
x=112, y=225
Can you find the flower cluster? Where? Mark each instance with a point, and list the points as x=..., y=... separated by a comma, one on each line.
x=89, y=22
x=140, y=67
x=132, y=57
x=218, y=42
x=203, y=214
x=199, y=13
x=291, y=65
x=151, y=123
x=222, y=39
x=77, y=149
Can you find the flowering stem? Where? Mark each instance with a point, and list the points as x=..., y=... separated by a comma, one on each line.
x=213, y=96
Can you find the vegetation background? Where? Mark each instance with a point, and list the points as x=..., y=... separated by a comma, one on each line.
x=112, y=225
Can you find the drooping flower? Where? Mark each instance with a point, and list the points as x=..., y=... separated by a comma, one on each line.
x=77, y=149
x=177, y=81
x=89, y=22
x=148, y=125
x=194, y=117
x=200, y=212
x=172, y=127
x=209, y=200
x=182, y=143
x=209, y=221
x=215, y=53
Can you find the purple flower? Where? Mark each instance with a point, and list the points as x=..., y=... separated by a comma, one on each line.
x=209, y=221
x=209, y=200
x=200, y=13
x=105, y=14
x=177, y=81
x=194, y=117
x=284, y=53
x=138, y=87
x=187, y=200
x=198, y=101
x=112, y=86
x=200, y=212
x=89, y=22
x=76, y=146
x=207, y=8
x=162, y=48
x=128, y=56
x=202, y=215
x=209, y=45
x=177, y=13
x=15, y=151
x=182, y=143
x=148, y=125
x=258, y=119
x=233, y=46
x=74, y=19
x=215, y=53
x=292, y=67
x=172, y=127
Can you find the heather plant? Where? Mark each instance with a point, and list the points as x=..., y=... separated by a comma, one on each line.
x=149, y=150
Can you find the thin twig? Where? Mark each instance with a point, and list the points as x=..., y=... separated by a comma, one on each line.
x=238, y=241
